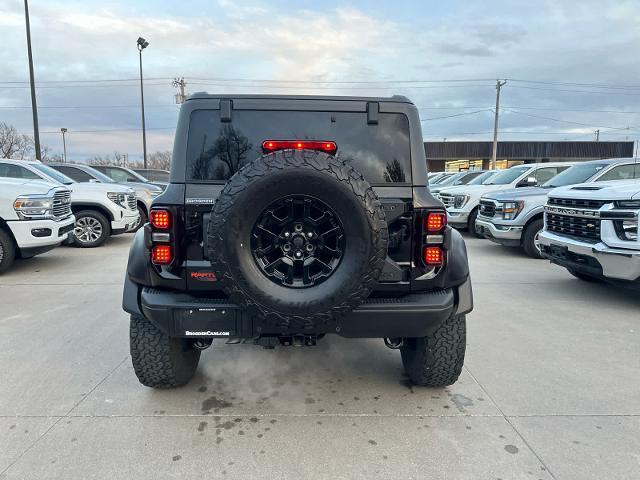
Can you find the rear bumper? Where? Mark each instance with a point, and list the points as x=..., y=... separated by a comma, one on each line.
x=592, y=259
x=184, y=315
x=503, y=234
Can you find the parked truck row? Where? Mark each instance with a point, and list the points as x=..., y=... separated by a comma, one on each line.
x=45, y=205
x=581, y=216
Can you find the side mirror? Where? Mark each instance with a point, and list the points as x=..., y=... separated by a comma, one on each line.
x=528, y=182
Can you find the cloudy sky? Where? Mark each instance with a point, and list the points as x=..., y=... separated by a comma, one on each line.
x=573, y=65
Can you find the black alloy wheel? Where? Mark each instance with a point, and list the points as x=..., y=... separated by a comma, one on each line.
x=298, y=241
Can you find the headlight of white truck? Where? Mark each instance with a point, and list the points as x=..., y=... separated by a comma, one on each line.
x=629, y=230
x=118, y=198
x=33, y=206
x=510, y=210
x=460, y=201
x=627, y=226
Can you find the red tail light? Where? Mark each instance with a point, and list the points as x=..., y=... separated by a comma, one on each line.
x=430, y=239
x=162, y=254
x=435, y=222
x=433, y=256
x=329, y=147
x=160, y=219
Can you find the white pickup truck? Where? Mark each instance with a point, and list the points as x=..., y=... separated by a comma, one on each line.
x=592, y=231
x=35, y=216
x=101, y=210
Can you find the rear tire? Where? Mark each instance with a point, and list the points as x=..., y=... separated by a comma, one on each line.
x=530, y=238
x=436, y=360
x=584, y=277
x=160, y=361
x=7, y=251
x=472, y=223
x=91, y=229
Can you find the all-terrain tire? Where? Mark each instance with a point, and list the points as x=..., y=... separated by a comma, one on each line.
x=288, y=173
x=471, y=225
x=584, y=277
x=529, y=236
x=160, y=361
x=436, y=360
x=7, y=251
x=92, y=217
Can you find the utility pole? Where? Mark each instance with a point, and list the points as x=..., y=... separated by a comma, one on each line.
x=499, y=85
x=34, y=106
x=142, y=44
x=64, y=144
x=180, y=84
x=597, y=132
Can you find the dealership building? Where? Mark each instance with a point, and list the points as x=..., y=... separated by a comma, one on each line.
x=459, y=156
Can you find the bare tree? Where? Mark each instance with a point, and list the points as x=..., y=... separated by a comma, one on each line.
x=160, y=160
x=14, y=144
x=116, y=159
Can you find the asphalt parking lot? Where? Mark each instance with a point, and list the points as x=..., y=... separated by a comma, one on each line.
x=549, y=390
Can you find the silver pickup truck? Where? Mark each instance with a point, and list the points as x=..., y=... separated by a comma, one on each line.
x=514, y=218
x=592, y=231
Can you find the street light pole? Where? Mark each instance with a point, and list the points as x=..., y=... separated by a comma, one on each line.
x=34, y=106
x=64, y=144
x=142, y=44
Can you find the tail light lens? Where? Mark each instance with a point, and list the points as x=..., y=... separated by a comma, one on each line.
x=435, y=222
x=162, y=254
x=433, y=256
x=429, y=247
x=160, y=219
x=326, y=146
x=161, y=223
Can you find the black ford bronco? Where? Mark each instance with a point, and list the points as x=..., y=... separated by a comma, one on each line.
x=290, y=217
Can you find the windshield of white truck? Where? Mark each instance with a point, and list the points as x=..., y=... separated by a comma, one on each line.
x=56, y=175
x=507, y=176
x=575, y=174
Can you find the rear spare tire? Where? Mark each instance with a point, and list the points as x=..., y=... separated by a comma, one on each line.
x=298, y=238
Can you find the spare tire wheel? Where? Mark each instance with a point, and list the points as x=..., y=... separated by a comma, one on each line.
x=298, y=238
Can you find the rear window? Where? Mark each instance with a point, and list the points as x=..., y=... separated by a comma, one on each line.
x=215, y=150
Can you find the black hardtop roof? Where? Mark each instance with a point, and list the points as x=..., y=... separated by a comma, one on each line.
x=213, y=96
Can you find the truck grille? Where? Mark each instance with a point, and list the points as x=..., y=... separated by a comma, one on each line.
x=447, y=199
x=487, y=208
x=61, y=204
x=131, y=201
x=576, y=203
x=586, y=228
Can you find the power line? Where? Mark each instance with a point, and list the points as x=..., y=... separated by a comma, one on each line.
x=455, y=115
x=106, y=130
x=592, y=85
x=89, y=106
x=565, y=121
x=574, y=91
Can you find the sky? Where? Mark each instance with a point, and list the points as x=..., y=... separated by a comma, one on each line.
x=571, y=66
